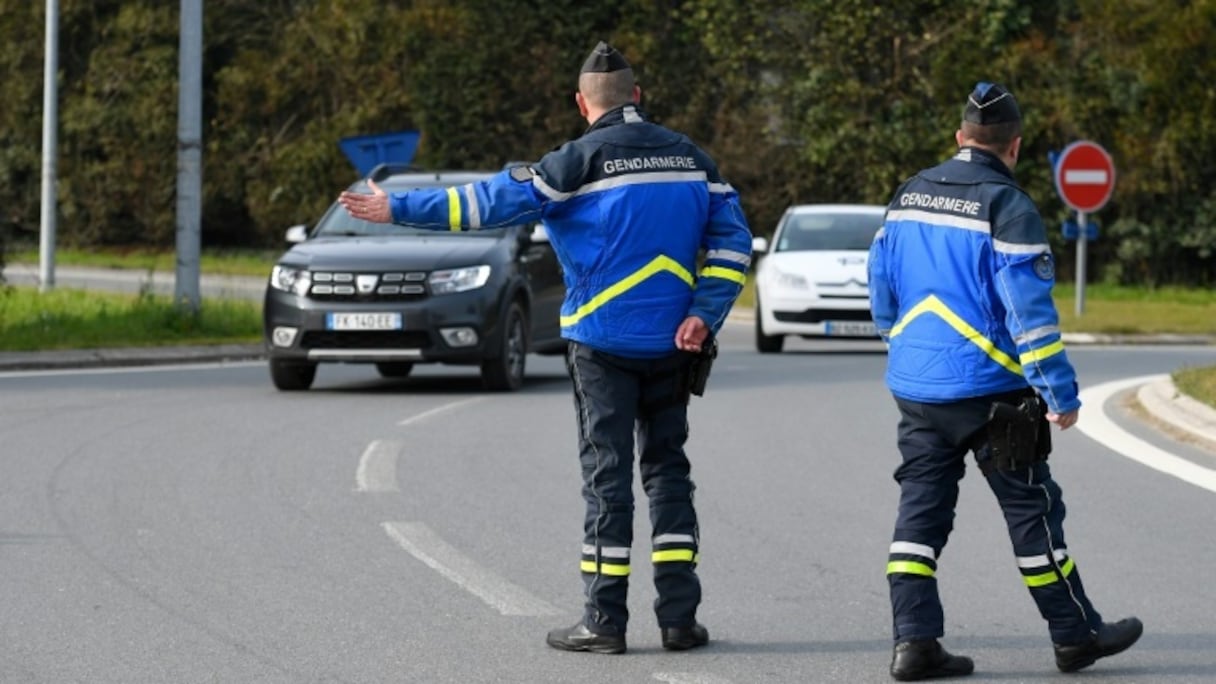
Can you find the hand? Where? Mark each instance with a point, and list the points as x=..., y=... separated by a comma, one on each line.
x=691, y=334
x=1064, y=420
x=373, y=207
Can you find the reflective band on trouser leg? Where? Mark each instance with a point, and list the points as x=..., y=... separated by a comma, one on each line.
x=910, y=558
x=1044, y=578
x=909, y=568
x=675, y=555
x=916, y=610
x=674, y=548
x=612, y=560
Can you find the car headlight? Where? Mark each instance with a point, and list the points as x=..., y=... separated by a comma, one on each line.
x=459, y=279
x=289, y=279
x=793, y=281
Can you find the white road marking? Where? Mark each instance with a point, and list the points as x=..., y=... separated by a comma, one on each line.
x=377, y=470
x=1099, y=427
x=440, y=409
x=501, y=595
x=688, y=678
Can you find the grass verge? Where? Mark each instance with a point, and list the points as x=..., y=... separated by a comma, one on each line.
x=211, y=261
x=1197, y=382
x=75, y=319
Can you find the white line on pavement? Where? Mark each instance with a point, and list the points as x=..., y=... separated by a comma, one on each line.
x=688, y=678
x=377, y=470
x=428, y=547
x=439, y=409
x=1099, y=427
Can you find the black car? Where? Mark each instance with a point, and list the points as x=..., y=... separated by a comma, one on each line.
x=394, y=295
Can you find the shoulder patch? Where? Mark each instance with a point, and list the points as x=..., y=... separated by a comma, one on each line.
x=1044, y=267
x=522, y=173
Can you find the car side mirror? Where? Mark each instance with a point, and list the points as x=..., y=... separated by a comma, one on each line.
x=759, y=245
x=298, y=233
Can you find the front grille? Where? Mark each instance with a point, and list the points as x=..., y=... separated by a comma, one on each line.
x=821, y=315
x=346, y=286
x=366, y=339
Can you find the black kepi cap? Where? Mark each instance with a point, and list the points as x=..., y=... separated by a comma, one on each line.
x=603, y=59
x=991, y=103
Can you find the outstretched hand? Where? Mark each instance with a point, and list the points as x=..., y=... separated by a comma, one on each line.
x=691, y=334
x=373, y=207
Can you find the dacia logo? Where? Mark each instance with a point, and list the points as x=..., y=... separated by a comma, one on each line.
x=365, y=283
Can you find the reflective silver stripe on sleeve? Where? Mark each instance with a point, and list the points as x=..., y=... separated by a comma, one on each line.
x=607, y=551
x=882, y=230
x=470, y=196
x=1040, y=560
x=728, y=255
x=1036, y=334
x=1015, y=248
x=675, y=539
x=720, y=188
x=548, y=190
x=922, y=550
x=947, y=220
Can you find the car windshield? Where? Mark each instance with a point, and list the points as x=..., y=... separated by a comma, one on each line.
x=822, y=231
x=337, y=222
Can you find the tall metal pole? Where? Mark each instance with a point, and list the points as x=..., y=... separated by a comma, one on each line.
x=1081, y=241
x=50, y=125
x=189, y=153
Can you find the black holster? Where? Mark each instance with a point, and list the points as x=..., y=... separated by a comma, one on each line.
x=1018, y=434
x=702, y=362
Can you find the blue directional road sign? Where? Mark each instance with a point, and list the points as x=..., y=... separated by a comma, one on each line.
x=1071, y=231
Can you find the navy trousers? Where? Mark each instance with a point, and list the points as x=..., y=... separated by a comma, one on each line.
x=616, y=398
x=934, y=440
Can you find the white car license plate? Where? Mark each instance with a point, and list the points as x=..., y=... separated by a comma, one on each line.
x=852, y=329
x=363, y=321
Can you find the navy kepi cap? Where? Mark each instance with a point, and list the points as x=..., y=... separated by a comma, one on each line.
x=603, y=59
x=990, y=103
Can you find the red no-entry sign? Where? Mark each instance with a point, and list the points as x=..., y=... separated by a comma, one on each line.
x=1085, y=176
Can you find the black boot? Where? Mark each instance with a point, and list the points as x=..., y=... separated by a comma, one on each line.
x=684, y=638
x=1112, y=638
x=926, y=659
x=579, y=638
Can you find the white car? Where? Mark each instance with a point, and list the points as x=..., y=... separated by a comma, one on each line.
x=813, y=282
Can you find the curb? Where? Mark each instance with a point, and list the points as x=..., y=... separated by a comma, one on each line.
x=1181, y=412
x=129, y=356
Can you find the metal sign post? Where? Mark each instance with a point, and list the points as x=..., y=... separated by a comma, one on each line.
x=50, y=127
x=1085, y=179
x=1081, y=243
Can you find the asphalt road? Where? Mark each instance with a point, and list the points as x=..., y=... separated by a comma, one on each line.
x=191, y=524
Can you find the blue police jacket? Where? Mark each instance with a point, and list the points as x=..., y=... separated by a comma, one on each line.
x=960, y=287
x=629, y=206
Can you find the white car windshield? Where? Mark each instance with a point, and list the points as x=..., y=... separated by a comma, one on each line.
x=827, y=232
